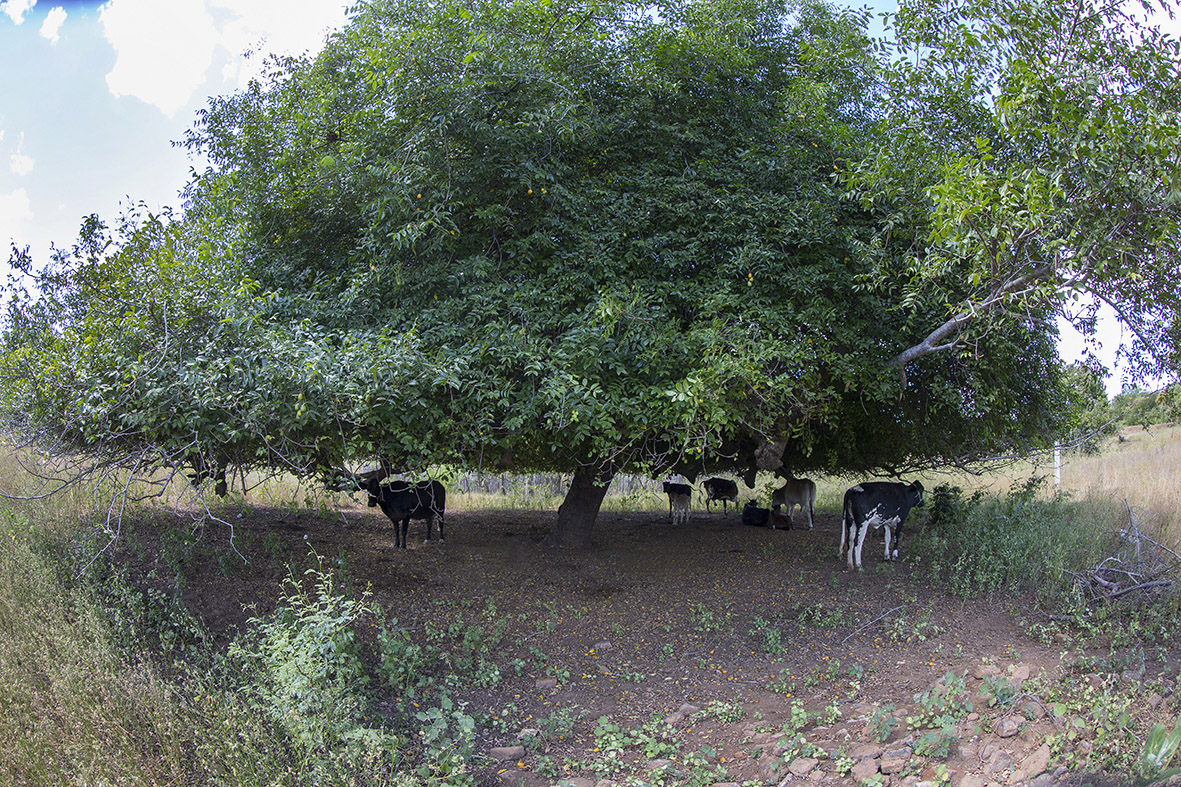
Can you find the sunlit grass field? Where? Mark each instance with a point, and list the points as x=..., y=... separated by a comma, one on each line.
x=1135, y=474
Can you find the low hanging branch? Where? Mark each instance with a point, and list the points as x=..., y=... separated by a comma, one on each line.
x=937, y=340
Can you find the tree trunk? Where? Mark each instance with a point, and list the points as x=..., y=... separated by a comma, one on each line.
x=577, y=514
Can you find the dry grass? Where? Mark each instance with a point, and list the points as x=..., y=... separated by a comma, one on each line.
x=1138, y=469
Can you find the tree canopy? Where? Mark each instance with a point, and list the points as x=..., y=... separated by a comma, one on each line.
x=604, y=236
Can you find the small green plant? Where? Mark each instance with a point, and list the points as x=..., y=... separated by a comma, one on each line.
x=936, y=744
x=506, y=720
x=704, y=619
x=798, y=720
x=920, y=628
x=547, y=767
x=943, y=704
x=883, y=722
x=782, y=683
x=404, y=665
x=772, y=637
x=822, y=618
x=1001, y=691
x=448, y=736
x=559, y=724
x=561, y=674
x=1158, y=751
x=724, y=711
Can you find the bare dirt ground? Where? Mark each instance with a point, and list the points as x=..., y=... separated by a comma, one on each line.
x=657, y=617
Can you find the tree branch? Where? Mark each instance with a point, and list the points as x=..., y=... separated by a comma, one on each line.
x=932, y=342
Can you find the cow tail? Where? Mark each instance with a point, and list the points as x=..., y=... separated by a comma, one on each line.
x=846, y=524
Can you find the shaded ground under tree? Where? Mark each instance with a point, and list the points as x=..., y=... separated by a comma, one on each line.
x=654, y=617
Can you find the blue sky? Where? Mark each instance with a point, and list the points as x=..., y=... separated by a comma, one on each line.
x=92, y=96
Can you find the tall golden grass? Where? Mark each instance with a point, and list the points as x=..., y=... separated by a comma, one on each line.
x=1140, y=469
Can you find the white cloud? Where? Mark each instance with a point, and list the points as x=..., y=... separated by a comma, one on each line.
x=271, y=27
x=163, y=50
x=15, y=213
x=21, y=164
x=16, y=9
x=53, y=23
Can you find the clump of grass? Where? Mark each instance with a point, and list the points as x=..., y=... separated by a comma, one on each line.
x=87, y=694
x=74, y=709
x=1020, y=542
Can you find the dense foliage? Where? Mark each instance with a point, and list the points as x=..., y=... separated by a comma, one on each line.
x=618, y=235
x=1031, y=152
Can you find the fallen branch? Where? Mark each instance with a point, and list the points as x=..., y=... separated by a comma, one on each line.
x=870, y=623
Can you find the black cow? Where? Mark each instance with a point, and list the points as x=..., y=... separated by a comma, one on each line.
x=402, y=502
x=679, y=497
x=874, y=504
x=720, y=489
x=754, y=516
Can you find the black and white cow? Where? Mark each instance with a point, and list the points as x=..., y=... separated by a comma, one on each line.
x=874, y=504
x=795, y=492
x=720, y=489
x=401, y=502
x=680, y=496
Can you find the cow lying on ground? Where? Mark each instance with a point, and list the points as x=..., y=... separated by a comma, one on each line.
x=720, y=489
x=795, y=492
x=874, y=504
x=680, y=496
x=754, y=516
x=401, y=502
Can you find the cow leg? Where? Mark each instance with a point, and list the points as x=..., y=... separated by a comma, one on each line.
x=440, y=527
x=790, y=524
x=405, y=531
x=861, y=531
x=809, y=515
x=889, y=531
x=844, y=537
x=897, y=539
x=851, y=553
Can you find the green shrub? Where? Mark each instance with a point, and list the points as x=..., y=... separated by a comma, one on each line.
x=303, y=668
x=1014, y=543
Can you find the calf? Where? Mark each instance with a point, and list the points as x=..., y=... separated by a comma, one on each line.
x=401, y=502
x=679, y=498
x=754, y=516
x=795, y=492
x=874, y=504
x=721, y=489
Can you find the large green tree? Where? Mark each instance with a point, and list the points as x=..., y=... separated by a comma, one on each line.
x=1032, y=150
x=586, y=237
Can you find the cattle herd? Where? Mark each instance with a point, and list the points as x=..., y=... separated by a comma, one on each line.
x=870, y=504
